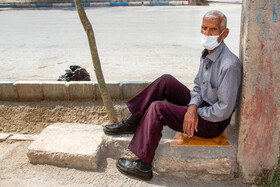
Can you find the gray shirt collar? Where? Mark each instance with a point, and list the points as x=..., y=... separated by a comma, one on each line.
x=214, y=54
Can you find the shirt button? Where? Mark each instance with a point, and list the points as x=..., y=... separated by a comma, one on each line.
x=206, y=68
x=203, y=82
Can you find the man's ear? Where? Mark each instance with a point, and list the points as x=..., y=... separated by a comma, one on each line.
x=224, y=35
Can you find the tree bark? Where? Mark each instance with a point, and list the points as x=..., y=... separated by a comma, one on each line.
x=106, y=98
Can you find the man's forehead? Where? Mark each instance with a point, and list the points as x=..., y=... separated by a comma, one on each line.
x=211, y=21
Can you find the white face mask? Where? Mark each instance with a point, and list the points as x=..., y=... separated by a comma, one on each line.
x=210, y=42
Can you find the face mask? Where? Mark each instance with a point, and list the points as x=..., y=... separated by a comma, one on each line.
x=210, y=42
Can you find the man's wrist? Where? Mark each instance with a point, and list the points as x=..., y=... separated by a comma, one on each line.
x=192, y=106
x=194, y=101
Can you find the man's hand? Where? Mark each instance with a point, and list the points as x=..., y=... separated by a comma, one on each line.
x=190, y=121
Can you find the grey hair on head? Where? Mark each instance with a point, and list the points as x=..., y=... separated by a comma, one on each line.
x=214, y=14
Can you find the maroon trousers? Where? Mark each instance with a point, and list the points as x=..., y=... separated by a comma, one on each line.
x=149, y=107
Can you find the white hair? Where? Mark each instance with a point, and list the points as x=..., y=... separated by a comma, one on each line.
x=214, y=14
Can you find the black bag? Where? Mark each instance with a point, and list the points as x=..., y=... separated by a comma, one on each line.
x=76, y=73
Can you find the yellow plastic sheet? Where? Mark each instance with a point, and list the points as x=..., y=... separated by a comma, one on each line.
x=182, y=140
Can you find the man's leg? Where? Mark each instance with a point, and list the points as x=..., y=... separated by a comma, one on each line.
x=147, y=137
x=165, y=87
x=148, y=134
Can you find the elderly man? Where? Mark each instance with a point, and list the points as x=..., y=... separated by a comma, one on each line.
x=205, y=111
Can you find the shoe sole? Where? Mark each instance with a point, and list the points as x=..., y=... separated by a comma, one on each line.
x=148, y=177
x=118, y=133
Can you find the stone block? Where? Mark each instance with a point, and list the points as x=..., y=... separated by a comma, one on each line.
x=8, y=91
x=81, y=90
x=175, y=3
x=131, y=89
x=146, y=3
x=62, y=4
x=221, y=166
x=194, y=2
x=100, y=4
x=67, y=145
x=55, y=90
x=135, y=3
x=200, y=162
x=29, y=90
x=23, y=137
x=185, y=2
x=113, y=88
x=4, y=136
x=26, y=5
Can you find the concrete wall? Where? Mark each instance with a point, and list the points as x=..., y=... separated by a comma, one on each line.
x=259, y=113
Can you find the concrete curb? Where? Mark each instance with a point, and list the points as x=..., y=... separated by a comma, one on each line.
x=17, y=137
x=4, y=136
x=96, y=4
x=75, y=90
x=56, y=90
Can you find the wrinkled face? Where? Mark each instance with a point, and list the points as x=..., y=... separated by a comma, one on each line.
x=211, y=27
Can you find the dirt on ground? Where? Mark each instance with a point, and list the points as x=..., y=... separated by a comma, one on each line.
x=33, y=117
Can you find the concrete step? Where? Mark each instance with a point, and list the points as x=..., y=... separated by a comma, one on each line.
x=200, y=162
x=86, y=147
x=67, y=145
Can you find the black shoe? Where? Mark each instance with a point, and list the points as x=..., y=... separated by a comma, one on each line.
x=136, y=168
x=120, y=128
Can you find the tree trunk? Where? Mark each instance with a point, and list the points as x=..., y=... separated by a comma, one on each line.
x=96, y=63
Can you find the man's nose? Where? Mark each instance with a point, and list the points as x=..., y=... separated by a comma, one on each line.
x=207, y=32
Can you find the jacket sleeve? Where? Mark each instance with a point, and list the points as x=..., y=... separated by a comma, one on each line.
x=227, y=92
x=196, y=98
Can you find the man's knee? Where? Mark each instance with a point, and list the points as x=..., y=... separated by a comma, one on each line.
x=167, y=78
x=157, y=106
x=157, y=110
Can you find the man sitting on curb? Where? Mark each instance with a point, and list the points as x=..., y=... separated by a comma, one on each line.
x=205, y=111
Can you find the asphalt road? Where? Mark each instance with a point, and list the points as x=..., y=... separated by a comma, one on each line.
x=134, y=43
